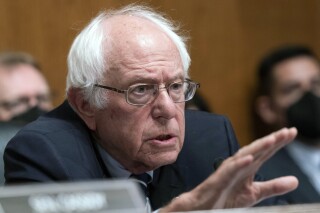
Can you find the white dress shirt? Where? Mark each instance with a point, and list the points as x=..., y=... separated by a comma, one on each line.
x=308, y=160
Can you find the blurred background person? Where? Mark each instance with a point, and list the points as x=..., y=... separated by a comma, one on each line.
x=288, y=94
x=24, y=95
x=198, y=103
x=22, y=87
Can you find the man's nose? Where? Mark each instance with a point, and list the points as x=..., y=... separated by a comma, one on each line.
x=33, y=101
x=163, y=91
x=164, y=106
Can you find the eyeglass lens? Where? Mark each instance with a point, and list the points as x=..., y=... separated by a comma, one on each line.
x=145, y=93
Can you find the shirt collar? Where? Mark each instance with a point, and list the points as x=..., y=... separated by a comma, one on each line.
x=305, y=153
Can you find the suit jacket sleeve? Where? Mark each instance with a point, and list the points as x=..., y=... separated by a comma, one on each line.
x=58, y=154
x=30, y=156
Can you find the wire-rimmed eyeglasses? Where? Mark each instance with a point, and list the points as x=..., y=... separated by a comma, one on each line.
x=142, y=94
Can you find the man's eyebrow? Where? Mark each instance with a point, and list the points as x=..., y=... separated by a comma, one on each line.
x=180, y=76
x=141, y=78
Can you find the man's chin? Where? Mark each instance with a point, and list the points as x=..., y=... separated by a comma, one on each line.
x=165, y=160
x=155, y=161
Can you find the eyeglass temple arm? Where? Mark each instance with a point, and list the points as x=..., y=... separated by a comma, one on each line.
x=110, y=88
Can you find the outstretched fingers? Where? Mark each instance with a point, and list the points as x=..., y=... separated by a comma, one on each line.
x=265, y=147
x=242, y=167
x=232, y=184
x=216, y=189
x=259, y=151
x=279, y=139
x=277, y=186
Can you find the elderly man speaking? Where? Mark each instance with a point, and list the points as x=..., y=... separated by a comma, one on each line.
x=126, y=91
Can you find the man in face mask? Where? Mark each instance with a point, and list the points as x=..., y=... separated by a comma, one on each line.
x=289, y=95
x=24, y=95
x=23, y=89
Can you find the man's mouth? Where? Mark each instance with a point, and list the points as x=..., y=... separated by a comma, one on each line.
x=164, y=140
x=163, y=137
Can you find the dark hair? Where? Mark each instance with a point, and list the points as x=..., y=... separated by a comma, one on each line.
x=10, y=59
x=277, y=56
x=198, y=102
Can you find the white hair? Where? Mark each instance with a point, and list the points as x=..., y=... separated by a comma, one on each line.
x=86, y=59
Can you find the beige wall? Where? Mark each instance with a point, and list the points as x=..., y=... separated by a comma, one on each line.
x=227, y=39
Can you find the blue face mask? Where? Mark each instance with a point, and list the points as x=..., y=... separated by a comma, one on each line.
x=305, y=116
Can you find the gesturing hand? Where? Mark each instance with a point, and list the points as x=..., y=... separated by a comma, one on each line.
x=233, y=185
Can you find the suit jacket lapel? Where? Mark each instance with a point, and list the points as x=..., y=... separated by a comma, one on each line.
x=305, y=190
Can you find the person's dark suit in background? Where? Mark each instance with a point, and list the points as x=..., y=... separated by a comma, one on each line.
x=127, y=86
x=288, y=94
x=7, y=131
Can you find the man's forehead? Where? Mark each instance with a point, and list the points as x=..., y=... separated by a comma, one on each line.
x=123, y=29
x=126, y=31
x=128, y=23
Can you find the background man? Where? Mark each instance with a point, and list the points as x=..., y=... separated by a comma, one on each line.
x=198, y=103
x=24, y=95
x=127, y=86
x=289, y=95
x=22, y=86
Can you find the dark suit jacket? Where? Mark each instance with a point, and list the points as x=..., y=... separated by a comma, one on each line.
x=281, y=164
x=58, y=147
x=7, y=130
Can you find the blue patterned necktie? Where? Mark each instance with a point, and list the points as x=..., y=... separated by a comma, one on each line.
x=143, y=179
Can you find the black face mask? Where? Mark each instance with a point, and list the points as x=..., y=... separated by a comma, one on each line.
x=305, y=115
x=28, y=116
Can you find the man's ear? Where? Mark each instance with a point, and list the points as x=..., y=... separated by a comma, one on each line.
x=82, y=107
x=263, y=107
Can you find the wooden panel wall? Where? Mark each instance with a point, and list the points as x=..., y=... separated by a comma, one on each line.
x=227, y=40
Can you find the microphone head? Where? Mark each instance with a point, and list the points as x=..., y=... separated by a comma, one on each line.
x=217, y=162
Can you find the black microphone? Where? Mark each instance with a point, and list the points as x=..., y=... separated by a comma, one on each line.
x=217, y=162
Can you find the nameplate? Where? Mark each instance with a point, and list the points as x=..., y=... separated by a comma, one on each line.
x=118, y=196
